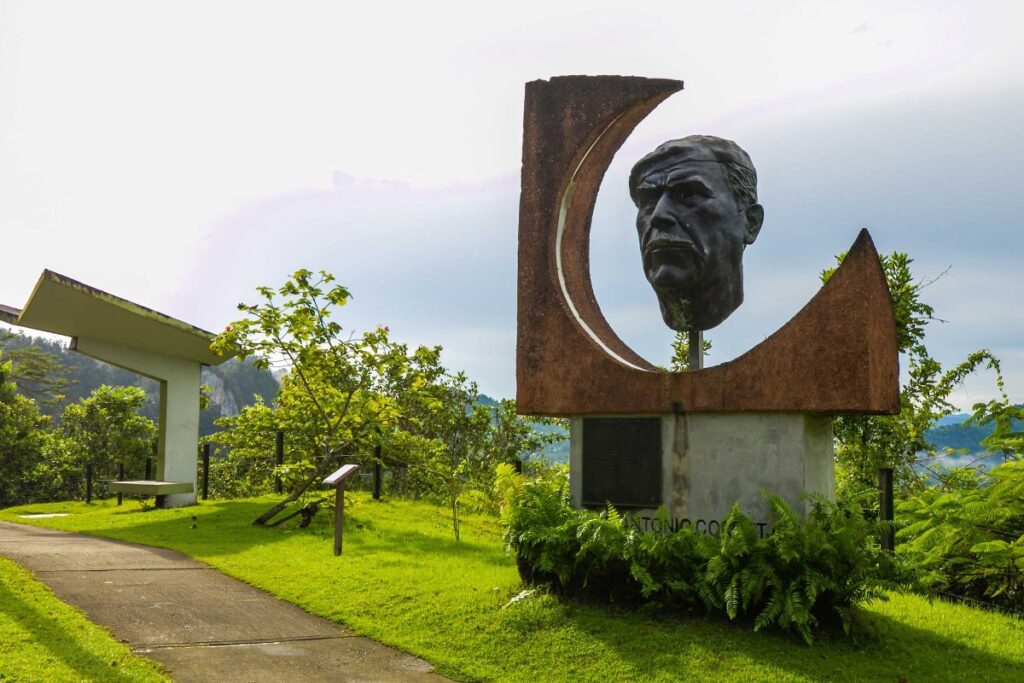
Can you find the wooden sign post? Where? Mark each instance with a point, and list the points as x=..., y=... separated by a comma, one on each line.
x=337, y=480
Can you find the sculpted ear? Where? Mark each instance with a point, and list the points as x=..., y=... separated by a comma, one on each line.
x=755, y=217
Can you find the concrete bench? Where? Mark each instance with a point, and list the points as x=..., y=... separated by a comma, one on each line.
x=143, y=487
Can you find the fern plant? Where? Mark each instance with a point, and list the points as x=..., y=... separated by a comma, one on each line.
x=808, y=573
x=970, y=543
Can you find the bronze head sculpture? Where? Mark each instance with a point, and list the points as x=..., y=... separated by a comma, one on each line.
x=697, y=211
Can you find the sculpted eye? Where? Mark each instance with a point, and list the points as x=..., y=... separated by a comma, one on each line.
x=647, y=197
x=690, y=192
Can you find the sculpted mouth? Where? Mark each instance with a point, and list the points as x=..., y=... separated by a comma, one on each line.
x=672, y=265
x=673, y=248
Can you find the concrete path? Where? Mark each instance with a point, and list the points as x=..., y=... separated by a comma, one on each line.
x=200, y=624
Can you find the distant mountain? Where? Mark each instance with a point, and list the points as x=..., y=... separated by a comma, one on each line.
x=952, y=433
x=233, y=384
x=955, y=419
x=485, y=400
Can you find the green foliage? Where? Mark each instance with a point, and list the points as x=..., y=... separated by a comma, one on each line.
x=681, y=352
x=469, y=442
x=244, y=465
x=40, y=464
x=969, y=542
x=459, y=427
x=104, y=430
x=404, y=581
x=344, y=396
x=37, y=374
x=806, y=574
x=22, y=440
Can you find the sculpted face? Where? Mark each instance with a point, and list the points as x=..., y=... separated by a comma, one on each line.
x=695, y=216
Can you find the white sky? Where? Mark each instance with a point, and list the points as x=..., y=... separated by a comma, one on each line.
x=181, y=153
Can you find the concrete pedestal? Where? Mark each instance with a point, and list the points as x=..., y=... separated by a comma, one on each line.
x=709, y=461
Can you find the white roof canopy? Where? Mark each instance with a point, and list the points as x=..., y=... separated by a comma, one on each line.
x=64, y=306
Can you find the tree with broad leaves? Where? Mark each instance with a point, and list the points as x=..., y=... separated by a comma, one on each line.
x=105, y=430
x=22, y=440
x=513, y=437
x=342, y=394
x=458, y=425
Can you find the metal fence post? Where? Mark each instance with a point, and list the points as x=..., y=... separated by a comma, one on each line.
x=885, y=508
x=280, y=459
x=120, y=476
x=376, y=473
x=696, y=340
x=151, y=461
x=88, y=483
x=206, y=471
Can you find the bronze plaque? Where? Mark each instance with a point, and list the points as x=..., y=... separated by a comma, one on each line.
x=621, y=462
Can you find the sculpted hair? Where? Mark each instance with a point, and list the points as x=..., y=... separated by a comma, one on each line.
x=743, y=180
x=739, y=170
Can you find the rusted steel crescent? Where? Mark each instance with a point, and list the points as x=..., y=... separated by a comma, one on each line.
x=837, y=355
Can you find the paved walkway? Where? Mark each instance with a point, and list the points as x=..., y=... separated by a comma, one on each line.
x=200, y=624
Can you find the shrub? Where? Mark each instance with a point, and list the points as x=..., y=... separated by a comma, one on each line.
x=807, y=574
x=969, y=543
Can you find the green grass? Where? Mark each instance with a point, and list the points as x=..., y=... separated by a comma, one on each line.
x=42, y=639
x=404, y=581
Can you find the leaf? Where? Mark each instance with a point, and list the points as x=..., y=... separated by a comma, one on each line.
x=990, y=547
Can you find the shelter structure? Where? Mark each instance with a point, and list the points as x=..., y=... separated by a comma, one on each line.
x=141, y=340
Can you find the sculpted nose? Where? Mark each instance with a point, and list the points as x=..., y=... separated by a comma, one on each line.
x=662, y=217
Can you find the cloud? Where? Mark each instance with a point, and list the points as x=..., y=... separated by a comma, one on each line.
x=386, y=149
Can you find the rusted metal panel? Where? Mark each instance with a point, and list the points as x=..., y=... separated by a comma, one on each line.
x=837, y=355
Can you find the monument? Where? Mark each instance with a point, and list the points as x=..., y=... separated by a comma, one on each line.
x=696, y=442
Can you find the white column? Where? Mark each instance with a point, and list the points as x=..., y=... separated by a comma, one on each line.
x=178, y=438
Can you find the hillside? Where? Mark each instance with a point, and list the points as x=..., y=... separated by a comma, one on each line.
x=233, y=385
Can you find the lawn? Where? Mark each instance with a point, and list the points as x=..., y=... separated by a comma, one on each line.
x=42, y=639
x=404, y=581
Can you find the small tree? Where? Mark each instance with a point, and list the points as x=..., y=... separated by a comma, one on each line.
x=22, y=439
x=459, y=425
x=339, y=394
x=105, y=430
